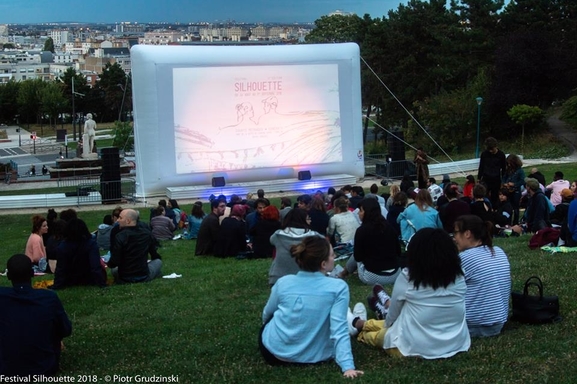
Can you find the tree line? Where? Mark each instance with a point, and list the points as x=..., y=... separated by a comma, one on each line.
x=438, y=59
x=34, y=101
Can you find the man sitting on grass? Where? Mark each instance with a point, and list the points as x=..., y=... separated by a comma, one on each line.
x=129, y=253
x=210, y=228
x=33, y=324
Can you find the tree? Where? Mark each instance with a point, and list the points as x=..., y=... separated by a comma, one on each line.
x=569, y=112
x=29, y=96
x=80, y=86
x=524, y=114
x=9, y=100
x=49, y=45
x=337, y=29
x=111, y=84
x=123, y=136
x=53, y=101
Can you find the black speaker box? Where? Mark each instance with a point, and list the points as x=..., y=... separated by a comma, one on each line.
x=218, y=182
x=396, y=146
x=110, y=191
x=304, y=175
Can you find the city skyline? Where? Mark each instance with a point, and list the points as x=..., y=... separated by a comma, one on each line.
x=185, y=11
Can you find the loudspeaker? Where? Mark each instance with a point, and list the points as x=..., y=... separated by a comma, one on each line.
x=110, y=191
x=110, y=164
x=396, y=146
x=304, y=175
x=218, y=182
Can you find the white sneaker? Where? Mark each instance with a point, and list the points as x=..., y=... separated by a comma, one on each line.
x=350, y=317
x=360, y=311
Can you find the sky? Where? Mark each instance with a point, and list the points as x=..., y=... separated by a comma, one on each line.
x=184, y=11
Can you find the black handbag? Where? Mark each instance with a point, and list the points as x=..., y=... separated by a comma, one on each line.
x=535, y=309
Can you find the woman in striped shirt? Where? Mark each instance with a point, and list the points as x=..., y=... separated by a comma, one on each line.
x=487, y=275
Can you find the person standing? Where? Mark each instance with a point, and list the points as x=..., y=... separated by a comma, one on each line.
x=33, y=324
x=421, y=162
x=492, y=165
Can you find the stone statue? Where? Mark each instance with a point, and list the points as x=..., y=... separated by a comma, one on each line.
x=89, y=134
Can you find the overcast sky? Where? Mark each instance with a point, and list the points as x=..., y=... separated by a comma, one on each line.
x=184, y=11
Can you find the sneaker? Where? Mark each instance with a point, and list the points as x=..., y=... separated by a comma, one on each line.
x=380, y=311
x=360, y=311
x=379, y=292
x=350, y=318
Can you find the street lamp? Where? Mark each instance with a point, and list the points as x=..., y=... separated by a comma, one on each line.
x=479, y=101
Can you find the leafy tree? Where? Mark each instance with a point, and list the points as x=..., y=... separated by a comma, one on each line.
x=9, y=100
x=337, y=29
x=49, y=45
x=29, y=99
x=80, y=86
x=524, y=114
x=53, y=101
x=569, y=112
x=111, y=84
x=123, y=135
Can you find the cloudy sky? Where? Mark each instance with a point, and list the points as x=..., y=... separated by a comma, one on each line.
x=184, y=11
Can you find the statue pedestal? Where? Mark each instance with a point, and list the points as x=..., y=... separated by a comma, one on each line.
x=90, y=156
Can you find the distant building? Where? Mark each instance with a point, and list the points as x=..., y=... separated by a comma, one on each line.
x=59, y=37
x=160, y=38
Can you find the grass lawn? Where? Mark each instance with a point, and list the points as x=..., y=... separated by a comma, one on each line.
x=203, y=327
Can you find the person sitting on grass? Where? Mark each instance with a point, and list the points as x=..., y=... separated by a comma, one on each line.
x=426, y=313
x=262, y=231
x=35, y=248
x=487, y=274
x=376, y=247
x=194, y=220
x=209, y=228
x=537, y=212
x=231, y=240
x=293, y=230
x=305, y=318
x=129, y=253
x=103, y=233
x=33, y=324
x=78, y=258
x=343, y=224
x=162, y=226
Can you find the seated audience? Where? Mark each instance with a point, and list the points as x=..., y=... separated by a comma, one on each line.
x=35, y=249
x=374, y=192
x=33, y=324
x=209, y=229
x=537, y=212
x=535, y=174
x=356, y=196
x=162, y=226
x=68, y=214
x=115, y=227
x=129, y=252
x=231, y=239
x=557, y=186
x=194, y=220
x=468, y=188
x=51, y=216
x=487, y=275
x=571, y=227
x=78, y=258
x=393, y=191
x=559, y=215
x=103, y=233
x=426, y=313
x=453, y=208
x=513, y=180
x=343, y=224
x=434, y=189
x=305, y=318
x=407, y=184
x=504, y=211
x=318, y=216
x=285, y=206
x=400, y=202
x=267, y=225
x=481, y=206
x=293, y=230
x=253, y=217
x=376, y=247
x=179, y=214
x=56, y=237
x=420, y=214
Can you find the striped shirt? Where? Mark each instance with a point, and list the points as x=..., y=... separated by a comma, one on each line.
x=488, y=280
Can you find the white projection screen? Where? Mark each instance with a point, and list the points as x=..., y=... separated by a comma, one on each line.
x=248, y=113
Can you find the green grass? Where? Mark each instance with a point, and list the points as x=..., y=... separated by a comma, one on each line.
x=203, y=327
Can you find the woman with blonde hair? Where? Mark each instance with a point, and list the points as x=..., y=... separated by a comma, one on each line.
x=393, y=191
x=305, y=318
x=420, y=214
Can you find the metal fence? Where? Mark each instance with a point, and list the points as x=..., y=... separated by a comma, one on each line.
x=379, y=165
x=109, y=192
